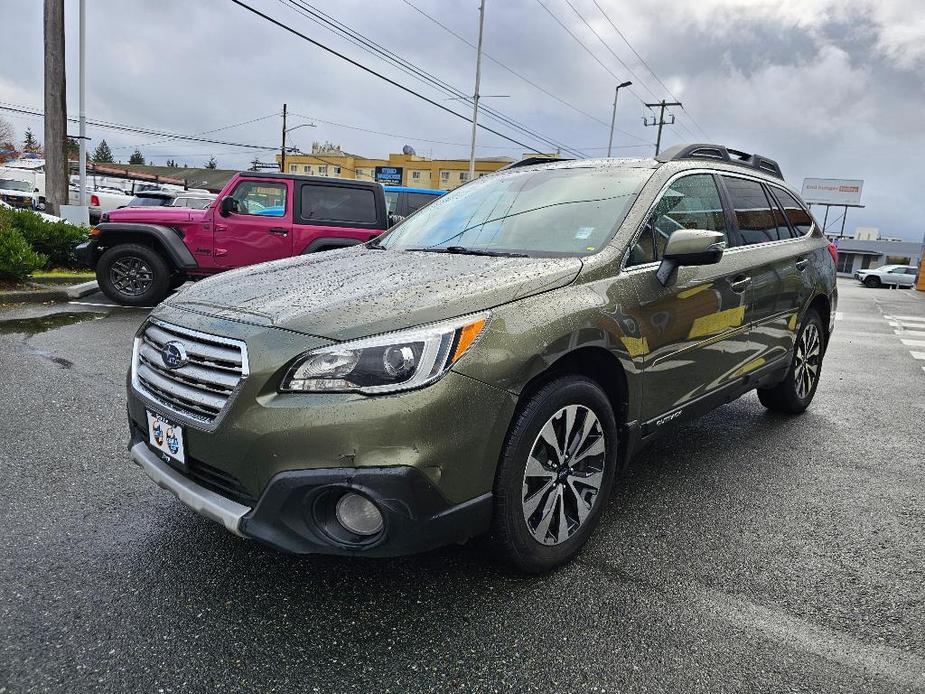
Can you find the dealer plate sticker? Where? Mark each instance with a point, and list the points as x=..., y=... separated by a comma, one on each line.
x=166, y=436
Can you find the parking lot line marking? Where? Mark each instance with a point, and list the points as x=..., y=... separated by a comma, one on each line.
x=918, y=355
x=90, y=303
x=919, y=319
x=910, y=333
x=913, y=343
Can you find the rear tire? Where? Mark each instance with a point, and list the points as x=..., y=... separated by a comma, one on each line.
x=796, y=391
x=133, y=275
x=872, y=282
x=556, y=472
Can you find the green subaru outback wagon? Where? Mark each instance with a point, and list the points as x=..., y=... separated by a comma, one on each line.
x=490, y=364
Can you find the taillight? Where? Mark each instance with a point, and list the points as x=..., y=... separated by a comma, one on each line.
x=833, y=251
x=94, y=200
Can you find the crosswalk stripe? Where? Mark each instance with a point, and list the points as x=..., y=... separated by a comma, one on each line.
x=918, y=355
x=913, y=343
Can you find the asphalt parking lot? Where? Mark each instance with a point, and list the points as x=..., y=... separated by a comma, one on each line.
x=746, y=551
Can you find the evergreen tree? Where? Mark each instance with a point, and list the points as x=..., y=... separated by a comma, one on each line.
x=137, y=157
x=211, y=164
x=171, y=163
x=102, y=154
x=30, y=144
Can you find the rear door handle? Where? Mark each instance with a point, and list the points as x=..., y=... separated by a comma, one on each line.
x=802, y=263
x=279, y=230
x=740, y=284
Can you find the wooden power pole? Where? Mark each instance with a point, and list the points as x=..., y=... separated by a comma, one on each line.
x=56, y=166
x=661, y=122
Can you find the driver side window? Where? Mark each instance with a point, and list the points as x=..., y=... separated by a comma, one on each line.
x=691, y=202
x=260, y=198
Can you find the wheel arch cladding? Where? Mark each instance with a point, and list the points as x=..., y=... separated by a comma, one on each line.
x=160, y=238
x=821, y=304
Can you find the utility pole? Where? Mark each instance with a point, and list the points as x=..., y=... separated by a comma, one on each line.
x=661, y=120
x=282, y=149
x=613, y=117
x=475, y=96
x=56, y=173
x=82, y=82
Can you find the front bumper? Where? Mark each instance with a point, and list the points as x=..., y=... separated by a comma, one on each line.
x=294, y=514
x=86, y=253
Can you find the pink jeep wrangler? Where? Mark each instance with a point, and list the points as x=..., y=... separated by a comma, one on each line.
x=141, y=253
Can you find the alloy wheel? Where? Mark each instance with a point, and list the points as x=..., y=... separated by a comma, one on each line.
x=563, y=475
x=808, y=358
x=130, y=275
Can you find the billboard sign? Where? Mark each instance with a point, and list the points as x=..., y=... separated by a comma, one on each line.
x=832, y=191
x=389, y=175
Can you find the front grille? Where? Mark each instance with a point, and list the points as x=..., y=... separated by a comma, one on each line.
x=201, y=388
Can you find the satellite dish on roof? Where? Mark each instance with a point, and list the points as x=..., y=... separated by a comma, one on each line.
x=408, y=150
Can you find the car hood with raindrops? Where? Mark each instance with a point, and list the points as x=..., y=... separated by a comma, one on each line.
x=355, y=292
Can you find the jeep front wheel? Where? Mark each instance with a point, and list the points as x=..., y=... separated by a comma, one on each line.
x=133, y=275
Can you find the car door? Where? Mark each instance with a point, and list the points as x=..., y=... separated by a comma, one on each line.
x=334, y=214
x=258, y=229
x=692, y=334
x=773, y=267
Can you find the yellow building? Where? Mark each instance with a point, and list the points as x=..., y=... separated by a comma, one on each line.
x=399, y=169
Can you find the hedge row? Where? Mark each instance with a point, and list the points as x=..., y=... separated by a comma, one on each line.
x=29, y=243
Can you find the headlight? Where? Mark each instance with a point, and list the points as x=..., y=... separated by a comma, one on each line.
x=385, y=363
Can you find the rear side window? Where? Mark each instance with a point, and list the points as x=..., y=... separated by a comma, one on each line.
x=416, y=201
x=799, y=218
x=752, y=211
x=783, y=229
x=339, y=204
x=691, y=202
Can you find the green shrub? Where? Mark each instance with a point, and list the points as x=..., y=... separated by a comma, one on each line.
x=17, y=259
x=54, y=240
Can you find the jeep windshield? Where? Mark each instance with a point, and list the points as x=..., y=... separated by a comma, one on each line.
x=559, y=211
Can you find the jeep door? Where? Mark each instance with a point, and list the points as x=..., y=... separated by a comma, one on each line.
x=258, y=228
x=693, y=333
x=335, y=214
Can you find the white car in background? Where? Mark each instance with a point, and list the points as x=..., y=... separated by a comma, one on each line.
x=17, y=193
x=888, y=276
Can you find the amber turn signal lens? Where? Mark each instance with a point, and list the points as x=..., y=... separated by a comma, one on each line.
x=467, y=336
x=94, y=231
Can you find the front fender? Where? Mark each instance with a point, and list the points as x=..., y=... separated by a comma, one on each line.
x=111, y=233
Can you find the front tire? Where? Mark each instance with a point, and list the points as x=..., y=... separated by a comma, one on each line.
x=872, y=282
x=133, y=275
x=555, y=475
x=796, y=391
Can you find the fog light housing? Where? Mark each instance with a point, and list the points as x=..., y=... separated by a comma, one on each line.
x=358, y=515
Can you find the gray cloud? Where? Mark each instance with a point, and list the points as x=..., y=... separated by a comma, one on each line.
x=828, y=88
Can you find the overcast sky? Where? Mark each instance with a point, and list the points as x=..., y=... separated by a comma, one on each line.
x=829, y=88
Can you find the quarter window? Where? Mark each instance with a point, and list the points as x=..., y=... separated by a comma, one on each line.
x=752, y=210
x=339, y=204
x=260, y=198
x=799, y=218
x=691, y=202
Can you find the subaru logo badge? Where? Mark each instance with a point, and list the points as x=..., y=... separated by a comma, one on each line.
x=173, y=354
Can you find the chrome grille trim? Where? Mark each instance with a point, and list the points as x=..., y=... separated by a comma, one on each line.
x=199, y=392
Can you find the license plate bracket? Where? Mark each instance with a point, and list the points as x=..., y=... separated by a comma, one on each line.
x=166, y=436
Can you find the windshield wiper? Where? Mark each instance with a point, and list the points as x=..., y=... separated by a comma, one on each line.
x=376, y=245
x=462, y=250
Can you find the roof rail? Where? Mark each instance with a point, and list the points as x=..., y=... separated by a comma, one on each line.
x=530, y=161
x=722, y=153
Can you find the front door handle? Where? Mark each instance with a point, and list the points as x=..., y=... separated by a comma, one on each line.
x=801, y=264
x=740, y=284
x=221, y=227
x=279, y=230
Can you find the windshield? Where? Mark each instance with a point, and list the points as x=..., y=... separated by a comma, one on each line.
x=563, y=211
x=146, y=201
x=16, y=185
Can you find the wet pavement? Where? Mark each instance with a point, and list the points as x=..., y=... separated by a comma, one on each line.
x=745, y=551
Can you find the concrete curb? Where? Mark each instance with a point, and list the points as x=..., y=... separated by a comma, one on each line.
x=42, y=295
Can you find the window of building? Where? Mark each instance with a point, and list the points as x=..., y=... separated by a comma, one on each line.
x=444, y=176
x=752, y=210
x=306, y=169
x=463, y=175
x=293, y=168
x=845, y=262
x=322, y=170
x=691, y=202
x=337, y=171
x=343, y=204
x=799, y=218
x=416, y=175
x=260, y=198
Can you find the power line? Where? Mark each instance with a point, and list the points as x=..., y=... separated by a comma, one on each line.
x=520, y=76
x=647, y=66
x=378, y=74
x=379, y=51
x=204, y=132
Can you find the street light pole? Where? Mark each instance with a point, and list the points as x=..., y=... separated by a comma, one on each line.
x=282, y=149
x=613, y=117
x=475, y=97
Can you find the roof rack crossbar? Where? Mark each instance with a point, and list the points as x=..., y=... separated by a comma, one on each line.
x=722, y=153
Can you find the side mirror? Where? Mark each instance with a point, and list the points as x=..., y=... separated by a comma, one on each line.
x=690, y=247
x=229, y=205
